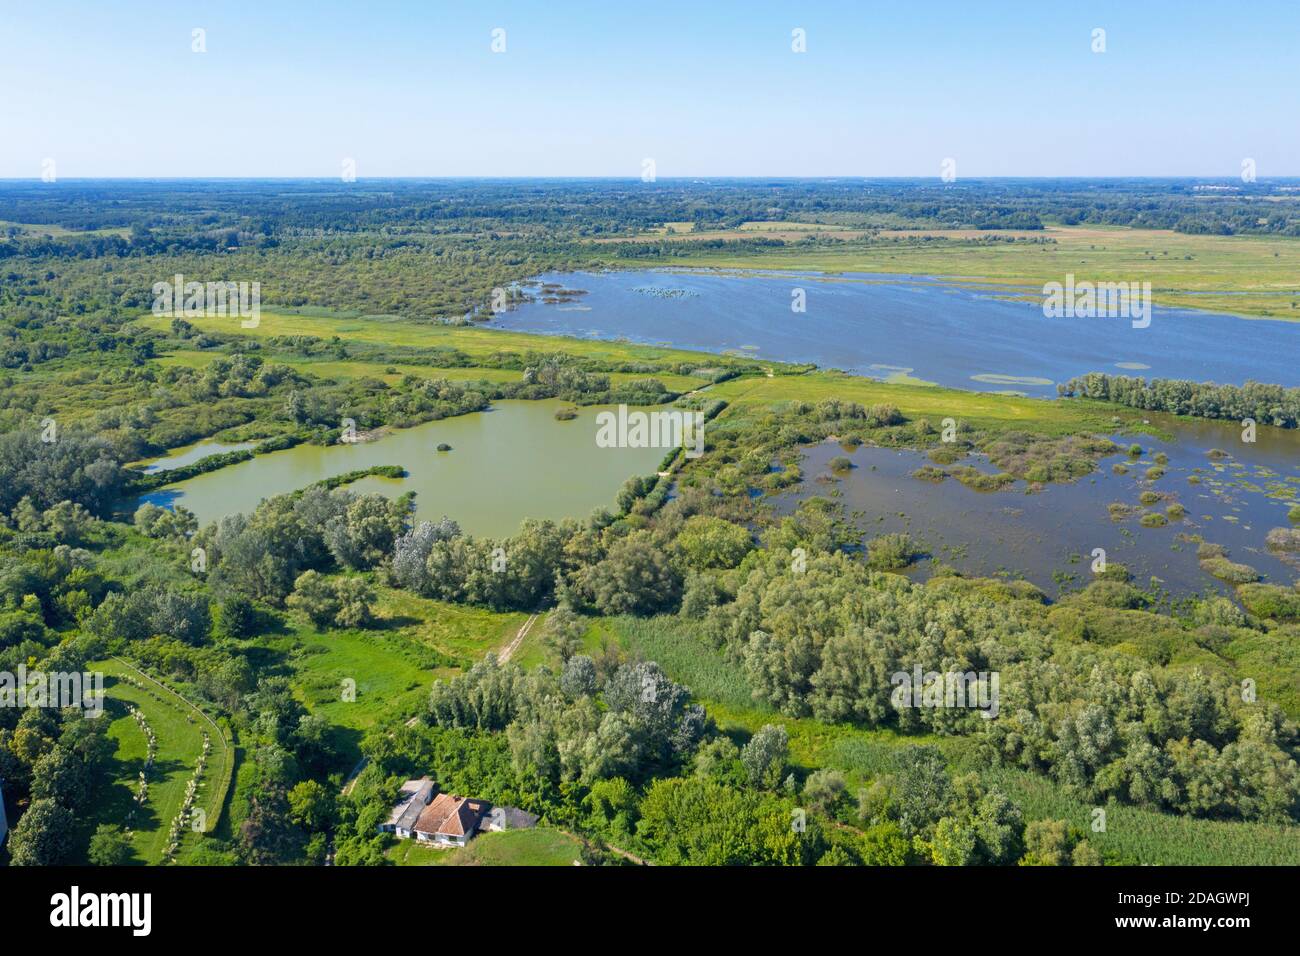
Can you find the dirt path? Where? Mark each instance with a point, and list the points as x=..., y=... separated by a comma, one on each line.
x=513, y=646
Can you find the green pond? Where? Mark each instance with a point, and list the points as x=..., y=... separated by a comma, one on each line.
x=511, y=462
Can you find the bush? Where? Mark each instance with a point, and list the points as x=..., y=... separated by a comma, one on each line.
x=1229, y=571
x=1270, y=601
x=891, y=551
x=1286, y=540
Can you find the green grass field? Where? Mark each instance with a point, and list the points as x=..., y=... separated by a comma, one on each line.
x=983, y=409
x=475, y=341
x=540, y=846
x=178, y=729
x=391, y=666
x=353, y=369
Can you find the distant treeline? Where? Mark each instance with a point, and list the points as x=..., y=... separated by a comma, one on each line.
x=1266, y=404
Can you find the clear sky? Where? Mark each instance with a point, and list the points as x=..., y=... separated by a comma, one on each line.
x=705, y=88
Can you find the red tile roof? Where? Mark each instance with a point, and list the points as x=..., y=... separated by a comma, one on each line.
x=449, y=815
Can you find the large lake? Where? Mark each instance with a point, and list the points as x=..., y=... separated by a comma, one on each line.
x=893, y=326
x=506, y=464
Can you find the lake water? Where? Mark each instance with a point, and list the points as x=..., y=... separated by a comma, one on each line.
x=189, y=454
x=511, y=462
x=1034, y=535
x=887, y=326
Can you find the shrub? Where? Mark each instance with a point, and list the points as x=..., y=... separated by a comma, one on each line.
x=891, y=551
x=1229, y=571
x=1270, y=601
x=1286, y=540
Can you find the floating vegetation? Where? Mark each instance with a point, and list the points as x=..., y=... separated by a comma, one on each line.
x=981, y=481
x=1285, y=540
x=1153, y=520
x=660, y=292
x=1229, y=571
x=566, y=414
x=1175, y=511
x=990, y=378
x=945, y=455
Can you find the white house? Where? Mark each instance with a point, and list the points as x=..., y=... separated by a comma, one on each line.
x=412, y=800
x=449, y=820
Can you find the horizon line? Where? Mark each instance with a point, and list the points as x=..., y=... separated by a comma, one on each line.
x=1214, y=177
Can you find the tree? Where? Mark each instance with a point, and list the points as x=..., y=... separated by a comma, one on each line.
x=1047, y=843
x=823, y=789
x=707, y=542
x=764, y=757
x=563, y=633
x=43, y=835
x=355, y=601
x=363, y=535
x=235, y=617
x=61, y=775
x=578, y=679
x=312, y=806
x=923, y=787
x=635, y=578
x=109, y=846
x=314, y=596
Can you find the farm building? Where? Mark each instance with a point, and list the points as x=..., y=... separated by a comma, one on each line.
x=444, y=819
x=412, y=799
x=450, y=820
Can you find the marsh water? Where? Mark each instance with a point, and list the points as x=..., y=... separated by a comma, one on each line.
x=1049, y=535
x=904, y=325
x=513, y=461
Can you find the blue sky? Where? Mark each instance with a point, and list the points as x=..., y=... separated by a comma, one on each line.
x=704, y=88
